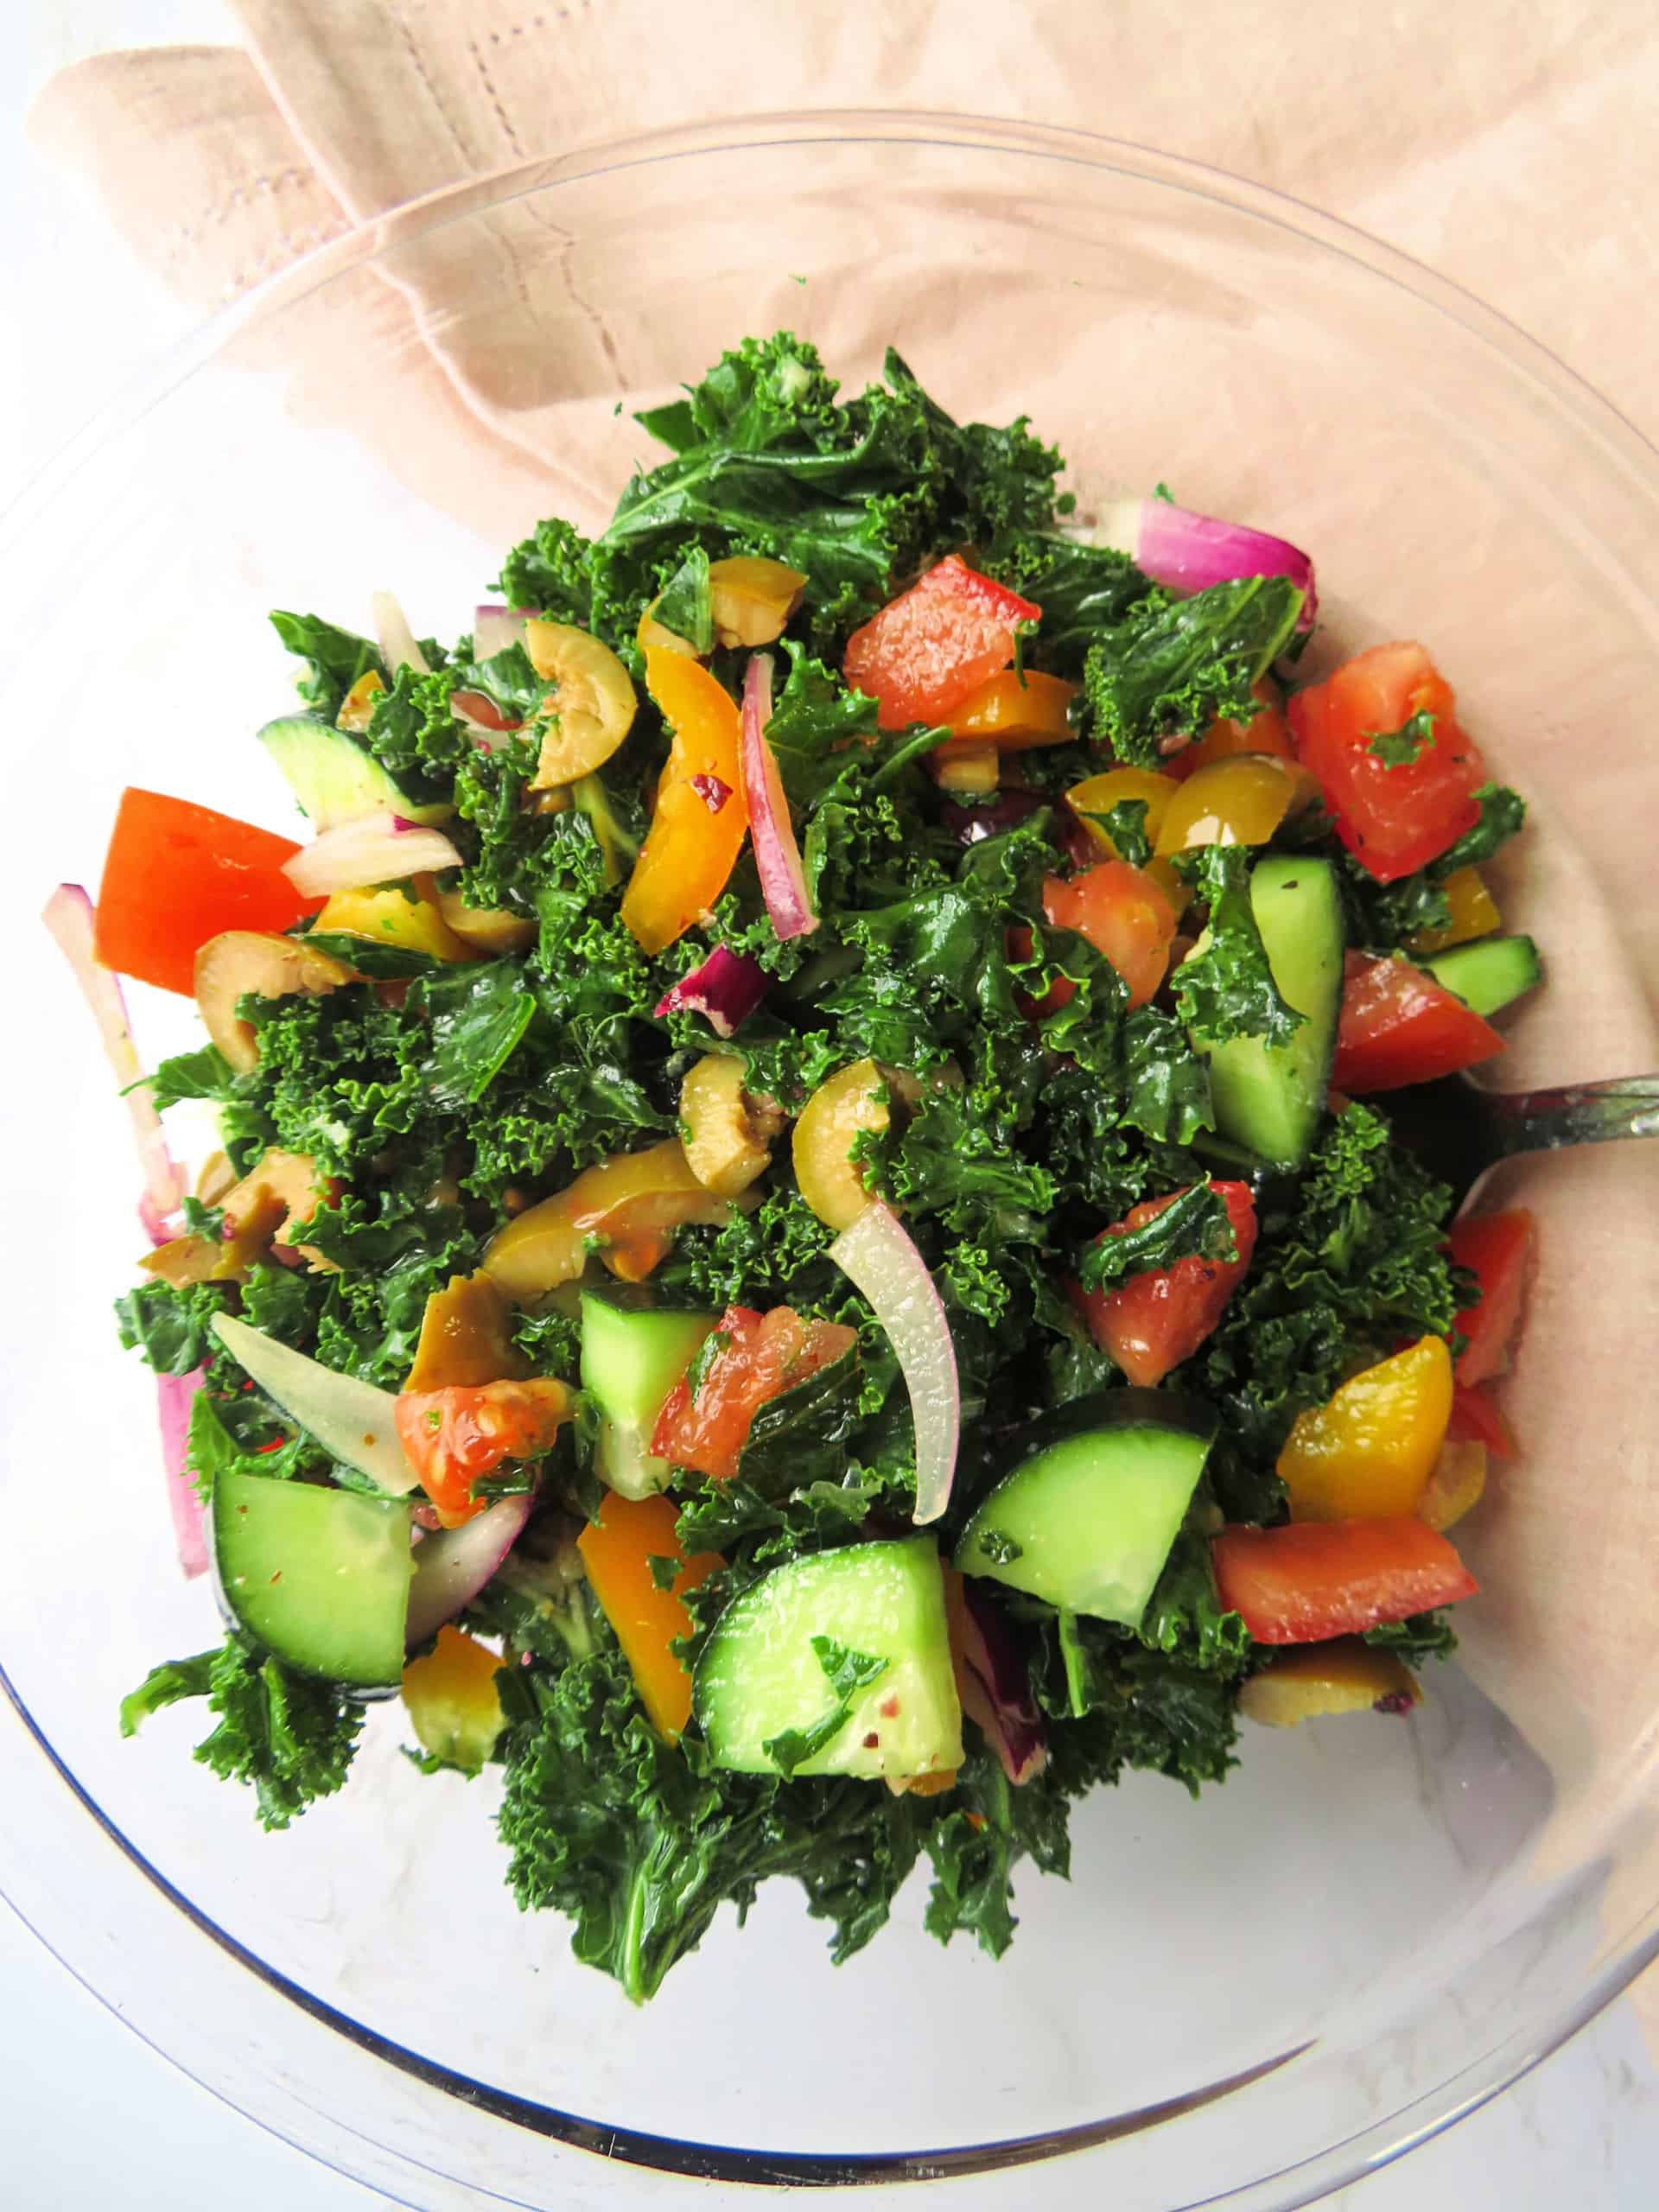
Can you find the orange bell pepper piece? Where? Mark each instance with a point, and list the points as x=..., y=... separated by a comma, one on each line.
x=1266, y=732
x=1367, y=1454
x=1474, y=913
x=617, y=1550
x=1014, y=712
x=692, y=844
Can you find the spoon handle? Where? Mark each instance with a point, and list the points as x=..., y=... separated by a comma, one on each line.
x=1583, y=1112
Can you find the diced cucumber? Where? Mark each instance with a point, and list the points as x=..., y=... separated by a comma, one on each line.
x=352, y=1419
x=1269, y=1098
x=319, y=1578
x=335, y=778
x=1087, y=1516
x=766, y=1691
x=632, y=1358
x=1489, y=974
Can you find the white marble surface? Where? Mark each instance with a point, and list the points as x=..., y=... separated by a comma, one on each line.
x=90, y=2116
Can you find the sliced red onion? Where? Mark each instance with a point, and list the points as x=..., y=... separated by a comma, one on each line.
x=395, y=638
x=713, y=791
x=495, y=629
x=776, y=855
x=877, y=1254
x=996, y=1689
x=1188, y=552
x=71, y=919
x=375, y=849
x=174, y=1394
x=451, y=1568
x=725, y=989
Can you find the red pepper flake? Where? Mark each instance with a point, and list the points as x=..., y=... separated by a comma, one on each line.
x=872, y=1741
x=1395, y=1701
x=889, y=1707
x=713, y=791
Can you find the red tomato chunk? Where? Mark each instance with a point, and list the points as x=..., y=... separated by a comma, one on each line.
x=756, y=1356
x=928, y=648
x=1314, y=1579
x=1151, y=1322
x=1392, y=819
x=1398, y=1026
x=1495, y=1248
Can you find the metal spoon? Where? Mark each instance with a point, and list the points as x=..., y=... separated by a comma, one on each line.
x=1460, y=1132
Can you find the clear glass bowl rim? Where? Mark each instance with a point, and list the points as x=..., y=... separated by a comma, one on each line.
x=1516, y=353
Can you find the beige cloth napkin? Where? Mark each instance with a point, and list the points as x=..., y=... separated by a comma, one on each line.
x=1499, y=141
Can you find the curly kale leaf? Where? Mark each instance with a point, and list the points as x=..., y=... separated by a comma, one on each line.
x=1170, y=666
x=289, y=1737
x=334, y=657
x=1194, y=1225
x=1225, y=988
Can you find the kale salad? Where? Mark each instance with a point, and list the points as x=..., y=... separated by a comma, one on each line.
x=808, y=1257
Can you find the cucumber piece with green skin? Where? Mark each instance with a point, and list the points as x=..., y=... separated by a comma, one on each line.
x=335, y=778
x=318, y=1578
x=632, y=1358
x=1489, y=975
x=766, y=1686
x=1271, y=1098
x=1086, y=1517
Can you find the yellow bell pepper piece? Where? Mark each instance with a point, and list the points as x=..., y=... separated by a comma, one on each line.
x=1456, y=1485
x=390, y=918
x=1091, y=801
x=454, y=1705
x=689, y=850
x=1474, y=913
x=976, y=768
x=1344, y=1676
x=1014, y=713
x=617, y=1550
x=1367, y=1454
x=630, y=1201
x=1240, y=801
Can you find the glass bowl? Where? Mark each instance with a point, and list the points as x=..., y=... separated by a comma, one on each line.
x=1246, y=2001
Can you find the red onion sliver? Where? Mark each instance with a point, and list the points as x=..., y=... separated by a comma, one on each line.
x=395, y=638
x=174, y=1394
x=453, y=1566
x=495, y=629
x=371, y=850
x=879, y=1257
x=725, y=989
x=71, y=918
x=484, y=718
x=996, y=1689
x=776, y=855
x=1188, y=552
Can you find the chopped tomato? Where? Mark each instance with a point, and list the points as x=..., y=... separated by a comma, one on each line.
x=930, y=648
x=1153, y=1321
x=617, y=1550
x=1399, y=1027
x=1477, y=1418
x=1397, y=818
x=176, y=875
x=1495, y=1247
x=753, y=1357
x=1314, y=1579
x=455, y=1437
x=1124, y=914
